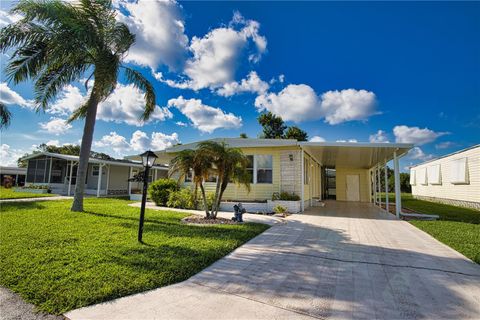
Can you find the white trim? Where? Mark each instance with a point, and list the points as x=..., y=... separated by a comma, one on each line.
x=50, y=170
x=99, y=180
x=70, y=178
x=302, y=160
x=386, y=188
x=108, y=180
x=129, y=182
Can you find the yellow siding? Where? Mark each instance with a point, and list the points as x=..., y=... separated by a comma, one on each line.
x=341, y=179
x=260, y=191
x=446, y=190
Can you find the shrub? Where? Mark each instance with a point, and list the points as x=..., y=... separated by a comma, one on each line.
x=36, y=186
x=210, y=200
x=160, y=190
x=286, y=196
x=279, y=209
x=182, y=199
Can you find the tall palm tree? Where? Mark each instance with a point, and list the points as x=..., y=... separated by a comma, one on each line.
x=58, y=42
x=200, y=163
x=5, y=116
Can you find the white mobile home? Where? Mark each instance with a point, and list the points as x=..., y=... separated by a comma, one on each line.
x=451, y=179
x=59, y=172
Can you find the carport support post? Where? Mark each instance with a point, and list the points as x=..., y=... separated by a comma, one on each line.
x=70, y=178
x=398, y=199
x=386, y=187
x=108, y=179
x=379, y=187
x=129, y=182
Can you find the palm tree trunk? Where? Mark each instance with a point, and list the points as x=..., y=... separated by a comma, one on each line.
x=217, y=193
x=85, y=152
x=219, y=200
x=205, y=204
x=195, y=197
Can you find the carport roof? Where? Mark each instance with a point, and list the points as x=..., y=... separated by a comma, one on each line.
x=354, y=155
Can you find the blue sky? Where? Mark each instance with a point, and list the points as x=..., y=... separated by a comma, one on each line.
x=374, y=71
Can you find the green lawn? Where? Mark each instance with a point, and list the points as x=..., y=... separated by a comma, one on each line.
x=457, y=227
x=61, y=260
x=12, y=194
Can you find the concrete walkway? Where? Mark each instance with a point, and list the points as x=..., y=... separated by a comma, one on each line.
x=258, y=218
x=342, y=261
x=54, y=198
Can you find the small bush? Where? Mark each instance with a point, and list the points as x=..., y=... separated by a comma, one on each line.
x=286, y=196
x=210, y=200
x=36, y=186
x=279, y=209
x=182, y=199
x=160, y=190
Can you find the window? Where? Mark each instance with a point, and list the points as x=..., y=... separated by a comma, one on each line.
x=95, y=170
x=250, y=167
x=458, y=171
x=264, y=168
x=37, y=171
x=56, y=176
x=422, y=176
x=434, y=176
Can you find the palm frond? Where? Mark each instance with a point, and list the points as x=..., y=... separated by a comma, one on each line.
x=5, y=116
x=143, y=84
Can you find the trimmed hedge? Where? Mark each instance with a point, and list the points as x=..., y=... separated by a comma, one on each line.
x=160, y=190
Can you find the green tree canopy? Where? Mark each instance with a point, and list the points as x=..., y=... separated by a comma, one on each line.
x=295, y=132
x=273, y=126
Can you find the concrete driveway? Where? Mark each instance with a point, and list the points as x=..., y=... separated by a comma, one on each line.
x=343, y=261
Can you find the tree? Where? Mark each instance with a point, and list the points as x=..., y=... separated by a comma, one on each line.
x=243, y=135
x=273, y=126
x=5, y=116
x=59, y=42
x=295, y=132
x=228, y=164
x=200, y=164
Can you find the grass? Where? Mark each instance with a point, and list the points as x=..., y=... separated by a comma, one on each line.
x=60, y=260
x=457, y=227
x=12, y=194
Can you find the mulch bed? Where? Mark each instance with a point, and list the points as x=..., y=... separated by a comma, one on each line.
x=195, y=219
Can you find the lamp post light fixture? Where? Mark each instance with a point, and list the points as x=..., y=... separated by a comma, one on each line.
x=148, y=160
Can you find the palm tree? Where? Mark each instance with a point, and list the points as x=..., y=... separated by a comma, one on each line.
x=5, y=116
x=59, y=42
x=200, y=164
x=230, y=164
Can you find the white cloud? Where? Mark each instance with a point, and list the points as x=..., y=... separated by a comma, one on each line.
x=69, y=99
x=9, y=156
x=139, y=142
x=8, y=18
x=348, y=105
x=415, y=135
x=160, y=32
x=10, y=97
x=56, y=126
x=317, y=139
x=113, y=141
x=125, y=104
x=446, y=145
x=205, y=118
x=217, y=55
x=417, y=154
x=252, y=83
x=301, y=103
x=181, y=124
x=379, y=137
x=53, y=143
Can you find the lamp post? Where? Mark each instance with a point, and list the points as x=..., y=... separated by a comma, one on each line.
x=148, y=159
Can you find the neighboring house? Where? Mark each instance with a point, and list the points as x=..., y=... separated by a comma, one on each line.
x=17, y=175
x=59, y=171
x=451, y=179
x=312, y=170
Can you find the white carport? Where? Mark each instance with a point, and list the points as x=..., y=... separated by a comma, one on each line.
x=369, y=156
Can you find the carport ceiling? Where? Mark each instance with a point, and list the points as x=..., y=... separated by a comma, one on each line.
x=354, y=155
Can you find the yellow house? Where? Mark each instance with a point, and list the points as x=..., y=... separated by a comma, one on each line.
x=314, y=171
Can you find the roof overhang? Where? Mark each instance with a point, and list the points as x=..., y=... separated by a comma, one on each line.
x=354, y=155
x=123, y=163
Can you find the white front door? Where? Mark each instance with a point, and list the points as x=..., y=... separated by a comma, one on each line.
x=353, y=187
